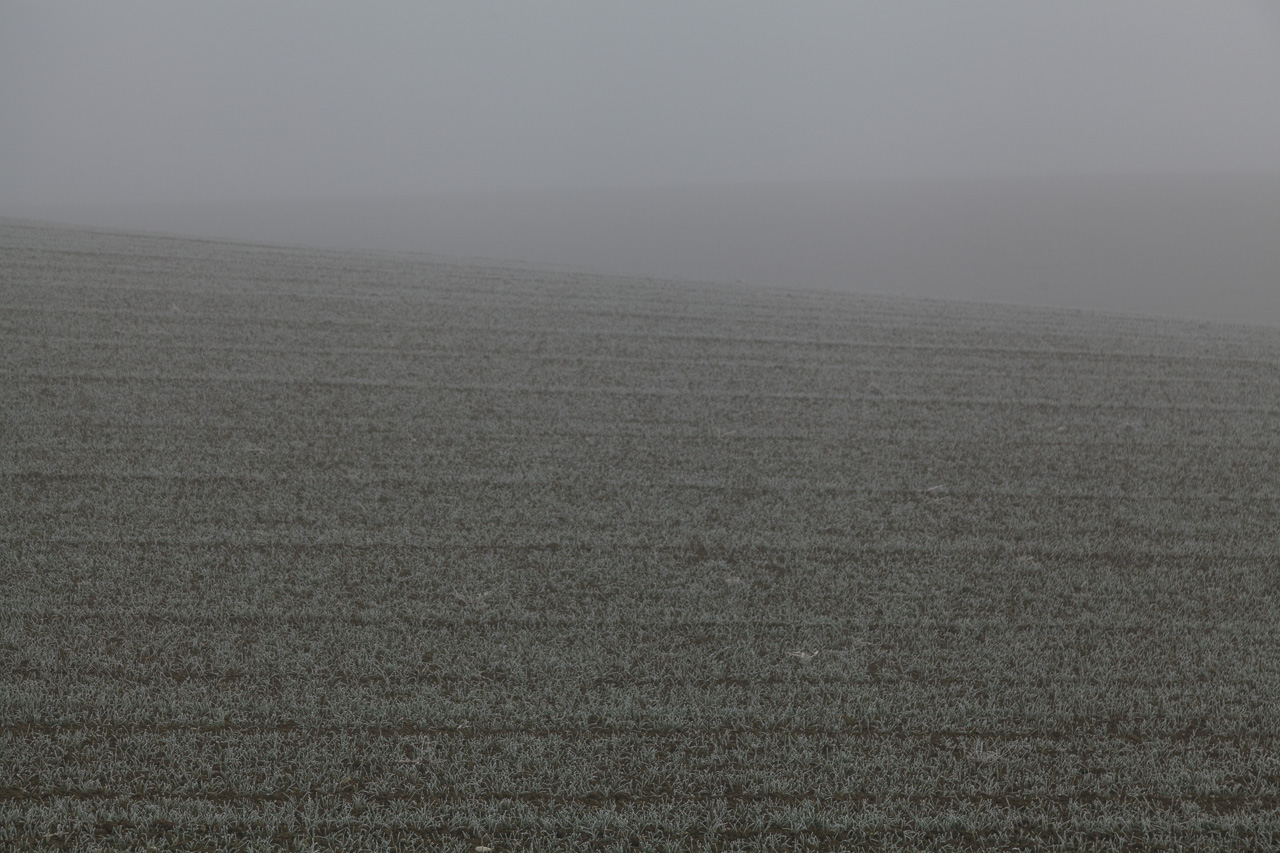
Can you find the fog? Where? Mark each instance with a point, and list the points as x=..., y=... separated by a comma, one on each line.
x=1096, y=154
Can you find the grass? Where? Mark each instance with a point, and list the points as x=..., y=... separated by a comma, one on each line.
x=315, y=550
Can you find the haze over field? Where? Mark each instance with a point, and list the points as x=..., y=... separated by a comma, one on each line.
x=471, y=547
x=1190, y=246
x=1116, y=156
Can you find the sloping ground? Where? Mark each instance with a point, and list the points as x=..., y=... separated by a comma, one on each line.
x=1192, y=246
x=358, y=551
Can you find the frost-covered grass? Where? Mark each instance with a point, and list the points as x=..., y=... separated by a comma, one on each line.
x=353, y=551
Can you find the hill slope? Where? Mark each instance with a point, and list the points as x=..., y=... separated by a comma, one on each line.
x=307, y=547
x=1202, y=247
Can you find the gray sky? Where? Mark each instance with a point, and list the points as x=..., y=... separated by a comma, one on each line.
x=184, y=101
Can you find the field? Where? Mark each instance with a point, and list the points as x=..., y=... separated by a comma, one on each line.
x=319, y=550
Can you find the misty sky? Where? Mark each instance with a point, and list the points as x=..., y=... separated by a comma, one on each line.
x=184, y=101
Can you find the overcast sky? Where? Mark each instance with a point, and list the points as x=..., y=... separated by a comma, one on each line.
x=183, y=101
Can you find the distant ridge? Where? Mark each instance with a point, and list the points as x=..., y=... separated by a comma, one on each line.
x=1198, y=247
